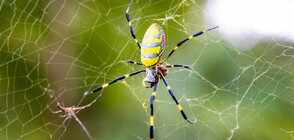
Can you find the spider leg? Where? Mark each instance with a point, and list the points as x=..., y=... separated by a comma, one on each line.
x=176, y=65
x=103, y=86
x=174, y=98
x=60, y=107
x=88, y=105
x=151, y=107
x=114, y=80
x=144, y=85
x=81, y=124
x=183, y=41
x=130, y=24
x=55, y=112
x=133, y=62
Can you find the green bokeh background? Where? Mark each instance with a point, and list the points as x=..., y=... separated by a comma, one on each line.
x=54, y=51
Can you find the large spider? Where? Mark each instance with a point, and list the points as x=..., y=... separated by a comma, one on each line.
x=152, y=47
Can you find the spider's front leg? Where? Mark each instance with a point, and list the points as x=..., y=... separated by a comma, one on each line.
x=183, y=41
x=131, y=27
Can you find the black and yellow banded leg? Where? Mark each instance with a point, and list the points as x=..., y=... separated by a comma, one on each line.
x=186, y=39
x=114, y=80
x=131, y=27
x=133, y=62
x=174, y=98
x=104, y=86
x=177, y=65
x=151, y=107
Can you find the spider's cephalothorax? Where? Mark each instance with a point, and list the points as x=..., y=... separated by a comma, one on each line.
x=153, y=74
x=152, y=46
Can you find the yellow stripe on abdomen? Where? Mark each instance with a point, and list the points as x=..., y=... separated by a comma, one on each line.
x=152, y=40
x=149, y=62
x=151, y=50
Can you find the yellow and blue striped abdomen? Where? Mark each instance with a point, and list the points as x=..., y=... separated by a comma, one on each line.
x=152, y=45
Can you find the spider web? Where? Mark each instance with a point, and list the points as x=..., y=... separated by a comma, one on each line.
x=54, y=51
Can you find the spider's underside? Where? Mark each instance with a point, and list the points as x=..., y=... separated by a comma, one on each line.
x=152, y=75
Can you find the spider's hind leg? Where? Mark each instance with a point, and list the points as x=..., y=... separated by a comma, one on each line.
x=151, y=107
x=176, y=101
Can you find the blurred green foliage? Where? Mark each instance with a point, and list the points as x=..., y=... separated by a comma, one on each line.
x=54, y=51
